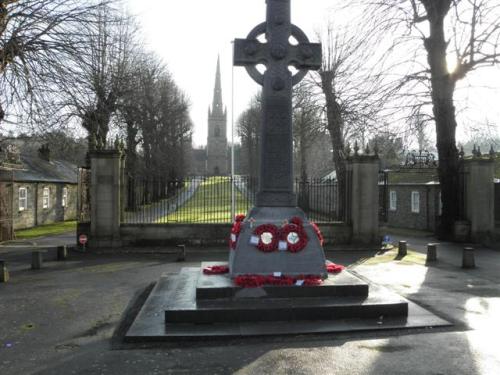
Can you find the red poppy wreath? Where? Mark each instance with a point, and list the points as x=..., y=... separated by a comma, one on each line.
x=235, y=231
x=295, y=237
x=268, y=237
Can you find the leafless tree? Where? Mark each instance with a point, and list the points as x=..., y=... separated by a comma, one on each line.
x=37, y=37
x=468, y=31
x=354, y=87
x=308, y=124
x=91, y=85
x=248, y=128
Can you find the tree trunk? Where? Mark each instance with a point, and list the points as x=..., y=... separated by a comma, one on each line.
x=335, y=126
x=2, y=113
x=442, y=90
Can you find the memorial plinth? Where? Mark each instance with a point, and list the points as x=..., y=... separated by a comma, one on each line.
x=275, y=239
x=247, y=259
x=192, y=305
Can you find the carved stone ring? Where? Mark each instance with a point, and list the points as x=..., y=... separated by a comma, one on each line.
x=279, y=52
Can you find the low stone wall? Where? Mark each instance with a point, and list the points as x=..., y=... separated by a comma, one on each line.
x=208, y=234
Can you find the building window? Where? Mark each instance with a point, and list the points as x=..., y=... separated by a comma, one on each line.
x=217, y=131
x=415, y=202
x=23, y=199
x=393, y=200
x=65, y=197
x=46, y=198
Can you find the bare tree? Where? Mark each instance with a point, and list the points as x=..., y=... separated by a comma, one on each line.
x=91, y=86
x=307, y=124
x=354, y=87
x=468, y=30
x=248, y=128
x=37, y=37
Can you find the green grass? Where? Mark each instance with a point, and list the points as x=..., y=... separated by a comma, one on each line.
x=211, y=203
x=46, y=230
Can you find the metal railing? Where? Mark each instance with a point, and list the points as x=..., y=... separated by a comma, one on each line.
x=208, y=200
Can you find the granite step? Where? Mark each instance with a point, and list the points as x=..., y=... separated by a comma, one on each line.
x=221, y=286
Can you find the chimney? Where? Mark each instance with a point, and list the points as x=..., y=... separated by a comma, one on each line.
x=44, y=152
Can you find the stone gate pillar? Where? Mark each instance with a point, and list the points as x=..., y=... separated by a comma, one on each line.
x=479, y=197
x=364, y=196
x=105, y=192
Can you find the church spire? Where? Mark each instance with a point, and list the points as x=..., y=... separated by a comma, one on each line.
x=217, y=107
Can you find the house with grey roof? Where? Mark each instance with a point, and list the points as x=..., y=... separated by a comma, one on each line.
x=35, y=190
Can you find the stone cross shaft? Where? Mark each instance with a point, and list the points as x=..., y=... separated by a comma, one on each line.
x=278, y=55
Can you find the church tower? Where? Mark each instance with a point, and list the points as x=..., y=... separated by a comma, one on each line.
x=217, y=161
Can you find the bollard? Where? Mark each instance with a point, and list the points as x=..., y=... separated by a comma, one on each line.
x=181, y=257
x=468, y=258
x=402, y=251
x=431, y=252
x=62, y=253
x=4, y=273
x=36, y=260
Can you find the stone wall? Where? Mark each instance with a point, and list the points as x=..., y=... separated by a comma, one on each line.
x=403, y=217
x=35, y=214
x=208, y=234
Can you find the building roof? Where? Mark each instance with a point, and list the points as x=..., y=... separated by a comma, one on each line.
x=36, y=169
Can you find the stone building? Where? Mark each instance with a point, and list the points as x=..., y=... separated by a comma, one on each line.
x=35, y=190
x=217, y=160
x=214, y=159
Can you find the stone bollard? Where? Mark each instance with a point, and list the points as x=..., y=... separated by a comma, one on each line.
x=181, y=257
x=402, y=251
x=468, y=258
x=431, y=252
x=62, y=253
x=36, y=260
x=4, y=273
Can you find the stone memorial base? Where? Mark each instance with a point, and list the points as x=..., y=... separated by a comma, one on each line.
x=247, y=260
x=194, y=305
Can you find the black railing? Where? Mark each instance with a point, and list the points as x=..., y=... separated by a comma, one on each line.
x=209, y=200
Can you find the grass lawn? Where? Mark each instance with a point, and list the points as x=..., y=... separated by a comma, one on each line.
x=210, y=204
x=45, y=230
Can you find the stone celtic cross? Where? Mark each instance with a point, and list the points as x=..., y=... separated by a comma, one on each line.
x=277, y=54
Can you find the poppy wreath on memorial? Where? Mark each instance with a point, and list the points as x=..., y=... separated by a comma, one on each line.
x=235, y=231
x=293, y=230
x=318, y=233
x=275, y=236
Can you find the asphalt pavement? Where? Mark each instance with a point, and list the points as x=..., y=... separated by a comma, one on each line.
x=67, y=318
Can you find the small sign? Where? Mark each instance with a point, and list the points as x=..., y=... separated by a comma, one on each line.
x=82, y=239
x=282, y=246
x=277, y=274
x=254, y=240
x=299, y=282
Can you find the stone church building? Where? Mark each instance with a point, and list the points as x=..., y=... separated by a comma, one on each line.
x=214, y=160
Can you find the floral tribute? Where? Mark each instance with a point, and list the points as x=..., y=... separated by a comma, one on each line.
x=268, y=236
x=255, y=281
x=334, y=268
x=235, y=231
x=318, y=233
x=291, y=236
x=216, y=270
x=294, y=236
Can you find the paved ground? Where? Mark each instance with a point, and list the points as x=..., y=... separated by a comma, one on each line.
x=61, y=320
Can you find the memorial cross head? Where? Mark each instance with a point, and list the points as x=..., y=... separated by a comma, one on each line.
x=277, y=54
